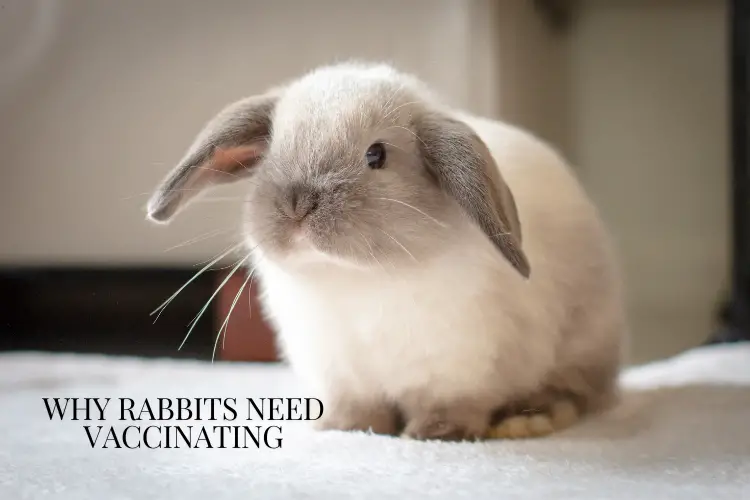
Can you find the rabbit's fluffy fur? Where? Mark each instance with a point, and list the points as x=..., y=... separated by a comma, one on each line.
x=466, y=289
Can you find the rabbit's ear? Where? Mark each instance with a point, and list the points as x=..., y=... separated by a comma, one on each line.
x=464, y=168
x=226, y=150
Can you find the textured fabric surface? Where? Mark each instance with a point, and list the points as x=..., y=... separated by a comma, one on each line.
x=682, y=431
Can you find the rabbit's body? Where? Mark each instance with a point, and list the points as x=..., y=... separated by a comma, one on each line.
x=463, y=324
x=365, y=344
x=464, y=273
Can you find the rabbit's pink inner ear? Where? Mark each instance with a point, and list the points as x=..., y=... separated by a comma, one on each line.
x=226, y=164
x=237, y=160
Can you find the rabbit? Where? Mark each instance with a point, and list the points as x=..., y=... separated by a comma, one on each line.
x=430, y=273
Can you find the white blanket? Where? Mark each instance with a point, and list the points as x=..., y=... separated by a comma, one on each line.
x=682, y=431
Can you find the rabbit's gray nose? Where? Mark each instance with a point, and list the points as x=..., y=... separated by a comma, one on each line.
x=299, y=200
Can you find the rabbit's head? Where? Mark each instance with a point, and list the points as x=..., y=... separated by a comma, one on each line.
x=351, y=163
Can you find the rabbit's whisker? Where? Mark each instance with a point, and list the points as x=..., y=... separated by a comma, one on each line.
x=394, y=146
x=389, y=103
x=216, y=170
x=433, y=219
x=196, y=239
x=210, y=299
x=369, y=246
x=203, y=262
x=164, y=304
x=149, y=193
x=399, y=244
x=238, y=162
x=262, y=227
x=182, y=190
x=225, y=325
x=411, y=132
x=219, y=198
x=398, y=107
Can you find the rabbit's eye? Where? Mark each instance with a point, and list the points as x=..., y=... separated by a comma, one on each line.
x=375, y=155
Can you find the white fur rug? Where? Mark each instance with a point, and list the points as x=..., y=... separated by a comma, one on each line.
x=682, y=432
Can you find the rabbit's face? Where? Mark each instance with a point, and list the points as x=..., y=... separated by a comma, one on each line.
x=350, y=164
x=346, y=181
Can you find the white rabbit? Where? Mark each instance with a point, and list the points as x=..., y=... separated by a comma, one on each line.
x=428, y=272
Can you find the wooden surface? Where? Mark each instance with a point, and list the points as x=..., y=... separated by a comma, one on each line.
x=248, y=335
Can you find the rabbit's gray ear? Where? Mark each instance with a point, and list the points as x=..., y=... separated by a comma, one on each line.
x=224, y=151
x=463, y=166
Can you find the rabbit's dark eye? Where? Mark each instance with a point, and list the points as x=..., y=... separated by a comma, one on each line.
x=375, y=155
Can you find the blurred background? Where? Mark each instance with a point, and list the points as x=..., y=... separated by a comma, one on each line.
x=99, y=98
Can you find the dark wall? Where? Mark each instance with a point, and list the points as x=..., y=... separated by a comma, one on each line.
x=97, y=310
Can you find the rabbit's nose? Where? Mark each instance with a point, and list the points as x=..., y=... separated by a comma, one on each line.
x=300, y=201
